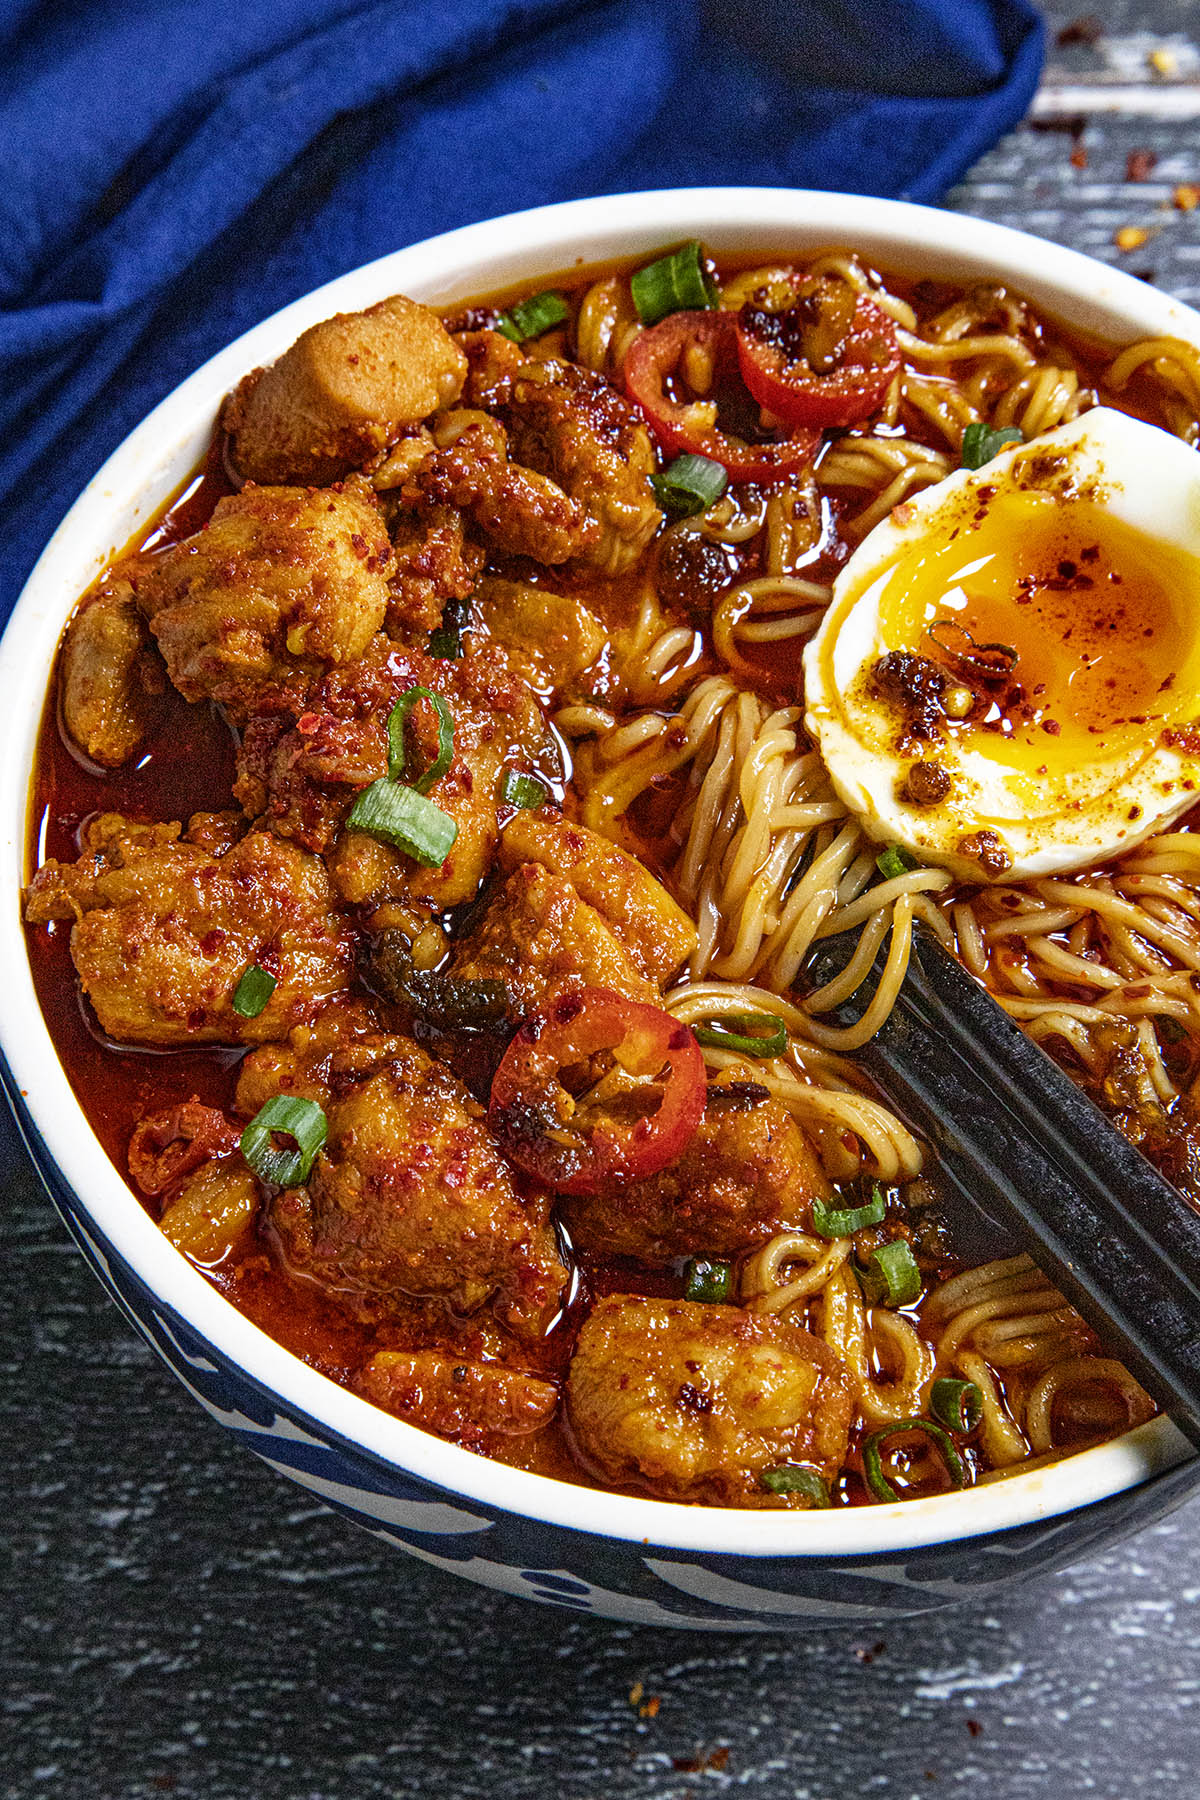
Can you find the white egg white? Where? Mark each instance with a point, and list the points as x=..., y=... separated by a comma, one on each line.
x=1061, y=807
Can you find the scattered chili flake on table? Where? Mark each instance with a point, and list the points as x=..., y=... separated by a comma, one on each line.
x=704, y=1759
x=1139, y=165
x=1186, y=196
x=1084, y=30
x=1130, y=237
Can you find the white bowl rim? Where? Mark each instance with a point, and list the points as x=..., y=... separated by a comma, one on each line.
x=133, y=483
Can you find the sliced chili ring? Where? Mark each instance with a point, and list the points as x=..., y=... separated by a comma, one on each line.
x=636, y=1094
x=861, y=350
x=686, y=428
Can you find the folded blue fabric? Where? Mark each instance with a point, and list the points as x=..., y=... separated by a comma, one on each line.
x=176, y=169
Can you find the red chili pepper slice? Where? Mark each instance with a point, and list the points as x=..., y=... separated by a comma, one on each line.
x=595, y=1088
x=774, y=350
x=655, y=357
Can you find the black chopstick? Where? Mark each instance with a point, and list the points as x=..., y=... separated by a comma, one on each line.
x=1017, y=1137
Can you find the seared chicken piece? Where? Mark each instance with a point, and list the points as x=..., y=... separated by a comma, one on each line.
x=300, y=769
x=343, y=393
x=570, y=424
x=694, y=1402
x=213, y=1212
x=637, y=908
x=471, y=1403
x=411, y=1198
x=434, y=564
x=748, y=1172
x=282, y=584
x=550, y=640
x=163, y=931
x=538, y=937
x=521, y=510
x=110, y=672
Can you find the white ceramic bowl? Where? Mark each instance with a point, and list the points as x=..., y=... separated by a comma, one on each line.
x=627, y=1558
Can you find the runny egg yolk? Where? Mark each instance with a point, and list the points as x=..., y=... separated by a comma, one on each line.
x=1104, y=621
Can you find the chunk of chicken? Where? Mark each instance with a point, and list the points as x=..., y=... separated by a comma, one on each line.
x=343, y=1045
x=694, y=1402
x=551, y=640
x=471, y=1403
x=748, y=1172
x=434, y=563
x=343, y=393
x=163, y=932
x=570, y=424
x=213, y=1213
x=110, y=672
x=300, y=769
x=637, y=908
x=281, y=584
x=411, y=1198
x=521, y=510
x=538, y=937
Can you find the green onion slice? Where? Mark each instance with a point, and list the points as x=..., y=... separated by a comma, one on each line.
x=252, y=992
x=761, y=1033
x=689, y=485
x=872, y=1464
x=958, y=1405
x=529, y=318
x=708, y=1280
x=843, y=1221
x=446, y=642
x=980, y=443
x=674, y=283
x=301, y=1120
x=895, y=860
x=523, y=790
x=398, y=755
x=892, y=1277
x=797, y=1478
x=399, y=815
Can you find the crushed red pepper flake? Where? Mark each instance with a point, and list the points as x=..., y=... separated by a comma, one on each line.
x=1086, y=29
x=1139, y=165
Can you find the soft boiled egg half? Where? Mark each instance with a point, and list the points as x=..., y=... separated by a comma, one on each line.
x=1007, y=680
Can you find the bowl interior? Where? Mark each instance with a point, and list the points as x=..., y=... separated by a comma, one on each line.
x=133, y=485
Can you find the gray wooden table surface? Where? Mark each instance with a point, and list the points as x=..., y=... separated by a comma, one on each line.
x=178, y=1621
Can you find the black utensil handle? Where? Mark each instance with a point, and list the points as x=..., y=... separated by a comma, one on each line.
x=1016, y=1135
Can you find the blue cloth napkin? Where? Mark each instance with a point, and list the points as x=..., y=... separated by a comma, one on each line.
x=174, y=170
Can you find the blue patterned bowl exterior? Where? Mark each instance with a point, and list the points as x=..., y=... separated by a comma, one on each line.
x=594, y=1553
x=579, y=1569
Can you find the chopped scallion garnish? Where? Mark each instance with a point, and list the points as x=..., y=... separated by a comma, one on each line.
x=529, y=318
x=397, y=752
x=796, y=1478
x=891, y=1277
x=873, y=1474
x=708, y=1280
x=980, y=443
x=749, y=1033
x=399, y=815
x=673, y=283
x=252, y=992
x=958, y=1405
x=843, y=1221
x=301, y=1120
x=689, y=485
x=446, y=642
x=523, y=790
x=895, y=860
